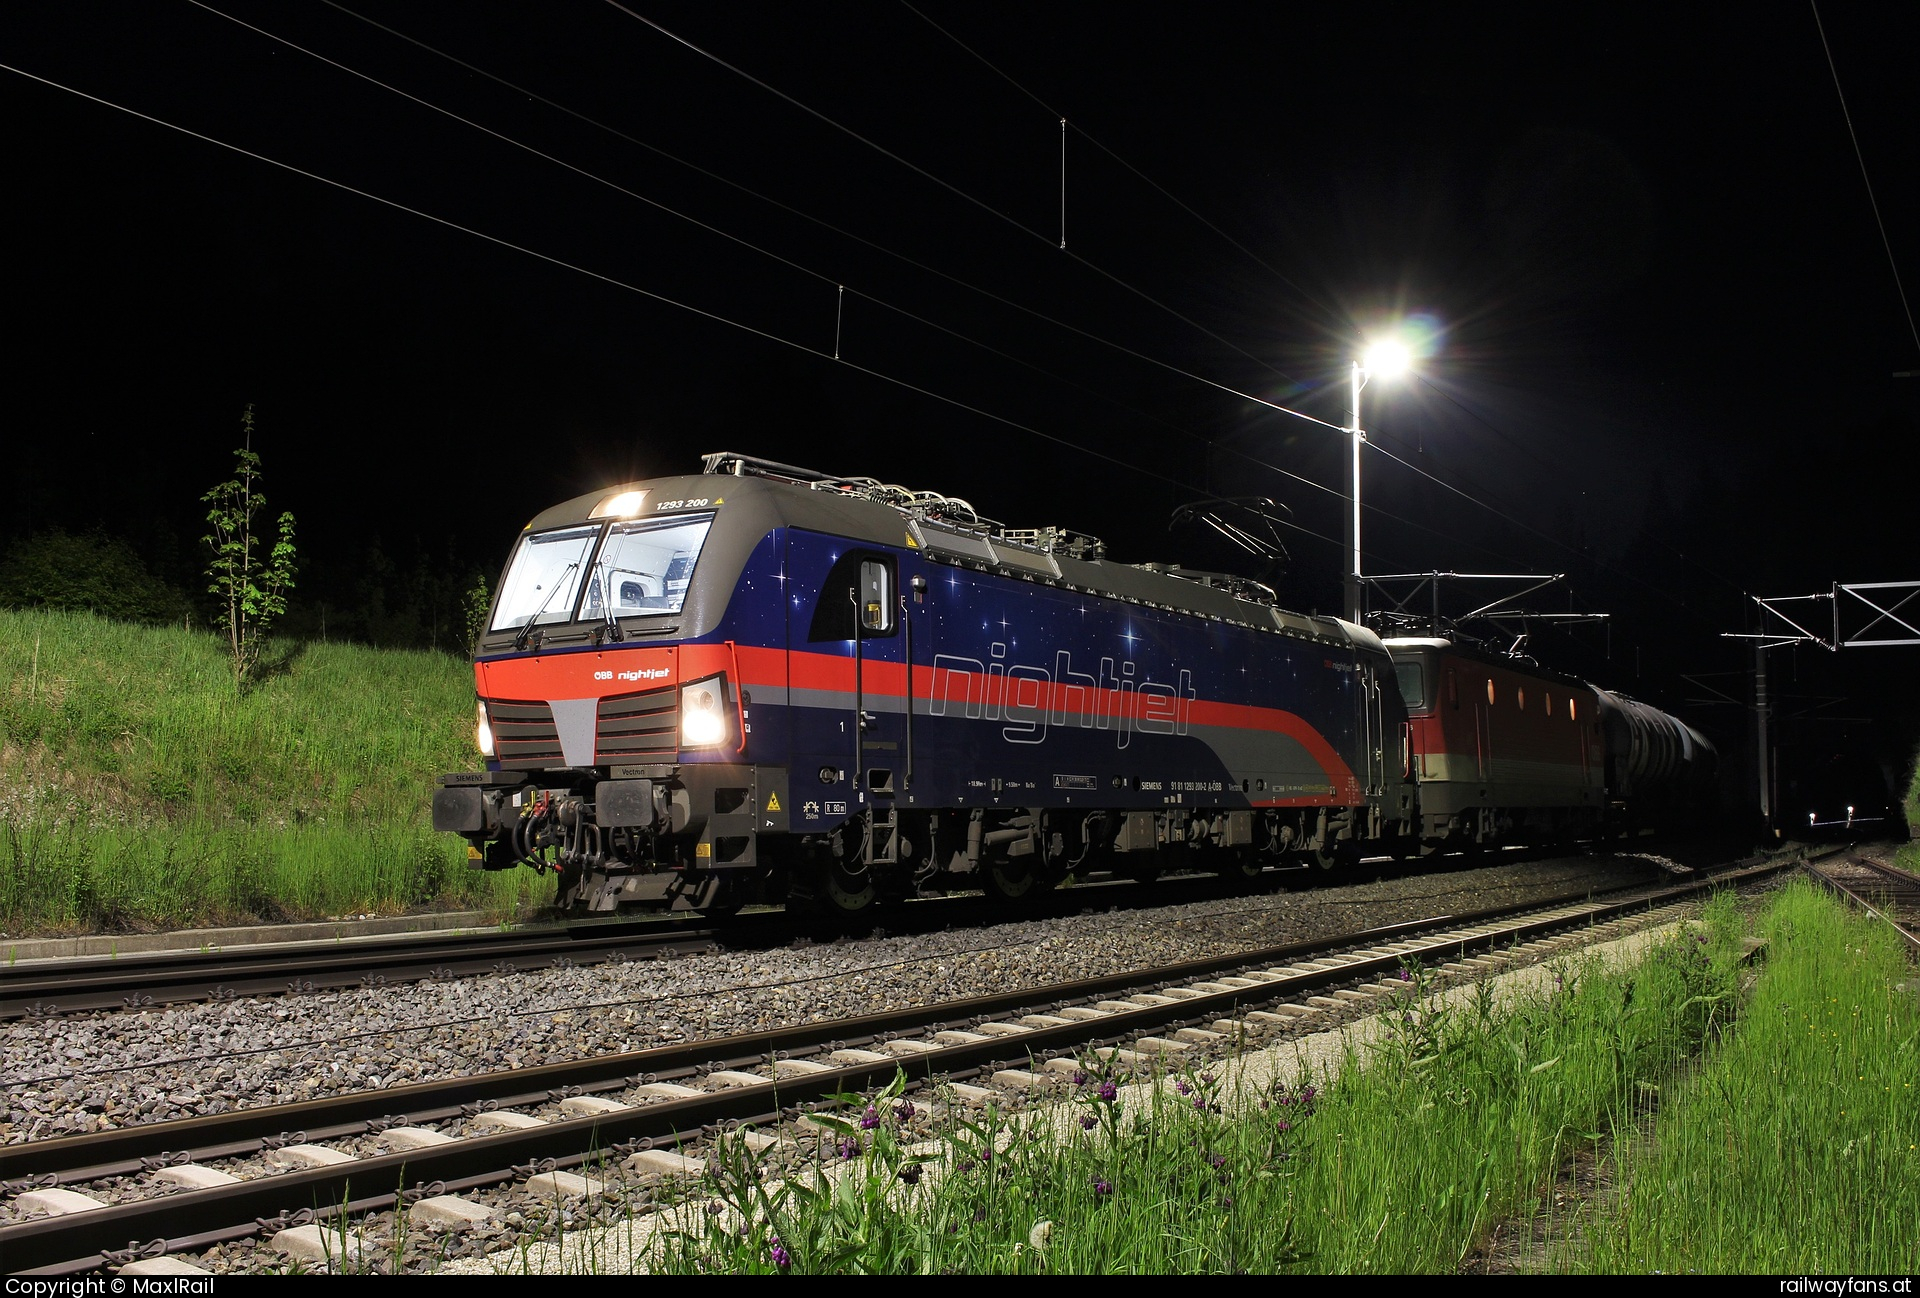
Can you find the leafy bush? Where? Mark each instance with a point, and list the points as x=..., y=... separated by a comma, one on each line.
x=92, y=573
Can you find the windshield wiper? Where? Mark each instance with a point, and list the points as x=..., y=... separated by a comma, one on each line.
x=611, y=631
x=526, y=629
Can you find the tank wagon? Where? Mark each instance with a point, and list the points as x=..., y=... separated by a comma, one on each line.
x=763, y=682
x=1507, y=750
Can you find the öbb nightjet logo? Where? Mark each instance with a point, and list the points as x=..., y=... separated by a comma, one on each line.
x=1033, y=698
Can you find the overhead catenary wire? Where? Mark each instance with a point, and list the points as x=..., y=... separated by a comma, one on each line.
x=1374, y=439
x=840, y=289
x=1090, y=265
x=981, y=412
x=840, y=297
x=1872, y=201
x=837, y=354
x=1549, y=538
x=508, y=139
x=1082, y=132
x=615, y=282
x=1520, y=445
x=708, y=226
x=1028, y=230
x=844, y=233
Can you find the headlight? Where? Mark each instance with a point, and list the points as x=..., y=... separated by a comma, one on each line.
x=703, y=713
x=482, y=731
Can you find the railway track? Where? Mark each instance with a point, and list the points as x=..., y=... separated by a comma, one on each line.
x=430, y=1145
x=1876, y=888
x=32, y=989
x=36, y=988
x=142, y=981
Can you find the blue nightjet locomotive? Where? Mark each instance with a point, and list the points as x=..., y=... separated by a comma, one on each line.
x=762, y=681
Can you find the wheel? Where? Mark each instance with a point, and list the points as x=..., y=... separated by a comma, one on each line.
x=1341, y=852
x=722, y=905
x=1244, y=869
x=1013, y=879
x=831, y=884
x=845, y=891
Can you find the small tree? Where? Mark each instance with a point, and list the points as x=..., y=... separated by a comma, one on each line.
x=250, y=580
x=474, y=605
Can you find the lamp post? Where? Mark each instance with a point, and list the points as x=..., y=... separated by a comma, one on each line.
x=1384, y=359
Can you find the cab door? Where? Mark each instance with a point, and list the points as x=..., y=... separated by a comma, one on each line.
x=1372, y=729
x=849, y=669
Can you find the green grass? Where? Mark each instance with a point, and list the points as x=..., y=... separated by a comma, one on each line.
x=1785, y=1139
x=139, y=788
x=1796, y=1147
x=1460, y=1117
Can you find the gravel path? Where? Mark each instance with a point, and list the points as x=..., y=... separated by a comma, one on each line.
x=98, y=1071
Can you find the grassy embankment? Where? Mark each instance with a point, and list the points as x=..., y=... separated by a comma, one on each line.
x=1783, y=1141
x=138, y=789
x=1796, y=1146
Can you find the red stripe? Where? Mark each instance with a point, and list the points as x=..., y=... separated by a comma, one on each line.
x=835, y=672
x=585, y=675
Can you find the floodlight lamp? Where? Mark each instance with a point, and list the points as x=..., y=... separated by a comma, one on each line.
x=1386, y=359
x=624, y=505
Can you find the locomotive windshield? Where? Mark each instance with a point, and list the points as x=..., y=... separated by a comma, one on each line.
x=644, y=567
x=544, y=578
x=641, y=568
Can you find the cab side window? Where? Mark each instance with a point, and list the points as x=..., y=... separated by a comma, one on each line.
x=876, y=597
x=857, y=597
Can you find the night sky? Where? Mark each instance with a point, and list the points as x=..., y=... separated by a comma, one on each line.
x=1663, y=323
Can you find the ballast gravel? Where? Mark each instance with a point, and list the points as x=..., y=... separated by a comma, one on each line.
x=81, y=1073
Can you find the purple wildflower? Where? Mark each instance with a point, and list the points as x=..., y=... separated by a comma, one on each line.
x=910, y=1174
x=850, y=1147
x=1102, y=1186
x=1088, y=1122
x=1406, y=976
x=1306, y=1096
x=903, y=1112
x=1182, y=1087
x=781, y=1258
x=870, y=1119
x=1109, y=1092
x=1266, y=1104
x=1206, y=1079
x=1199, y=1104
x=1284, y=1125
x=1079, y=1079
x=1218, y=1160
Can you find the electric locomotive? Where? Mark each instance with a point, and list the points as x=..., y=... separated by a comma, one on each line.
x=767, y=682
